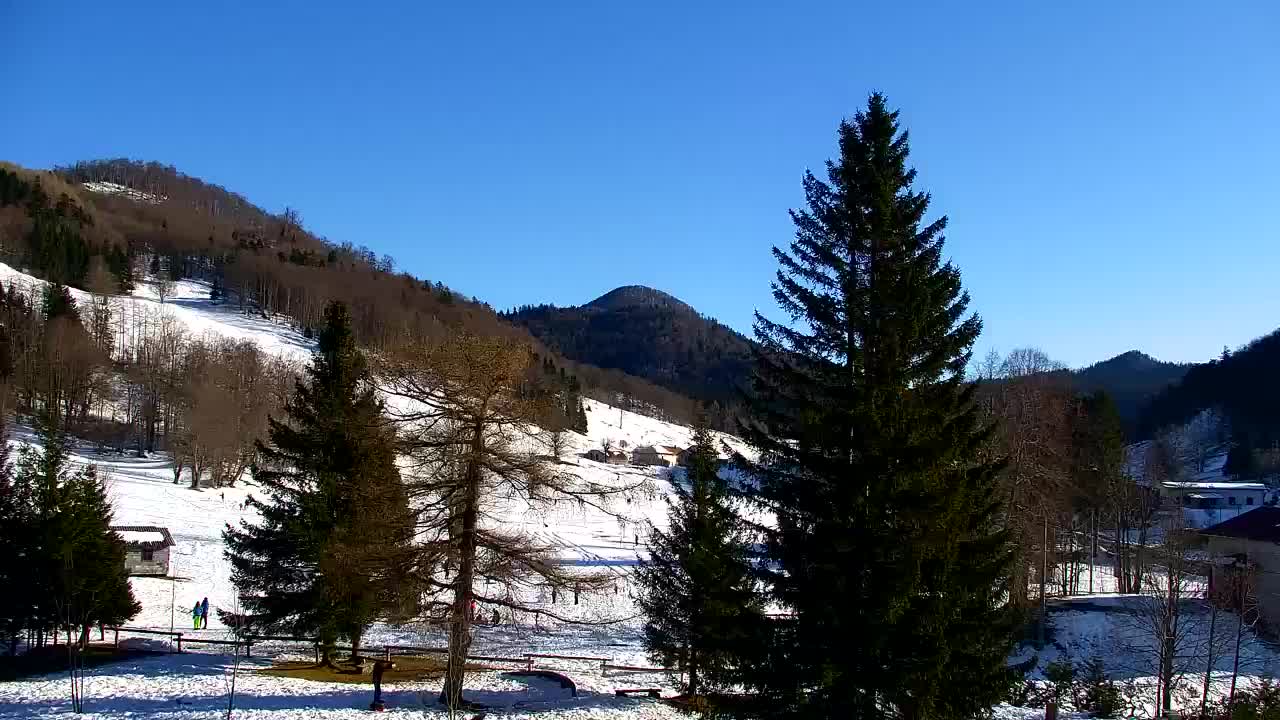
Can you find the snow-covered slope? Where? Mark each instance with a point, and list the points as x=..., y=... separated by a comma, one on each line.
x=110, y=188
x=143, y=492
x=189, y=306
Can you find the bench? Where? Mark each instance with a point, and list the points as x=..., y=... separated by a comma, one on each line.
x=654, y=693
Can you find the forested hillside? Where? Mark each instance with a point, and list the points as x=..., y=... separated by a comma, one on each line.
x=136, y=221
x=1242, y=385
x=1132, y=379
x=649, y=334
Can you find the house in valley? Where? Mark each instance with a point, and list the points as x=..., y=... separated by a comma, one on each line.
x=1244, y=554
x=146, y=548
x=1208, y=503
x=611, y=457
x=660, y=455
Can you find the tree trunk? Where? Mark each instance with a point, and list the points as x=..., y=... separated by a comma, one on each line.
x=1235, y=663
x=693, y=673
x=1168, y=644
x=326, y=651
x=1044, y=573
x=1093, y=547
x=1208, y=669
x=460, y=613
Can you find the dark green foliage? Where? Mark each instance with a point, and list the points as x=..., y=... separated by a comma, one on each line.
x=565, y=411
x=697, y=588
x=886, y=546
x=1061, y=676
x=1098, y=449
x=56, y=247
x=1261, y=702
x=1132, y=379
x=121, y=268
x=1242, y=386
x=1094, y=693
x=331, y=553
x=58, y=303
x=63, y=566
x=649, y=334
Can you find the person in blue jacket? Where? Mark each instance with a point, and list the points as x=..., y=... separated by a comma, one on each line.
x=204, y=613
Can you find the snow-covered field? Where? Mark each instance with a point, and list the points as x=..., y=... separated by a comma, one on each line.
x=191, y=685
x=142, y=492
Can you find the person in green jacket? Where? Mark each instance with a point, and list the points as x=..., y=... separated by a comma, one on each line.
x=195, y=616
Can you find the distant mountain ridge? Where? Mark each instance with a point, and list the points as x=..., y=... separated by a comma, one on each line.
x=651, y=334
x=1242, y=386
x=629, y=296
x=1132, y=379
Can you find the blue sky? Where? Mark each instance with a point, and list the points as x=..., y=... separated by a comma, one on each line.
x=1109, y=168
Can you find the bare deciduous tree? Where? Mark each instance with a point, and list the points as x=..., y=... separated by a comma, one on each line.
x=475, y=456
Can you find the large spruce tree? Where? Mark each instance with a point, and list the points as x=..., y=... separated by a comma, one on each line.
x=697, y=589
x=885, y=547
x=66, y=566
x=332, y=552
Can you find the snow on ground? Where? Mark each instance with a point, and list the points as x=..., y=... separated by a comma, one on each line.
x=190, y=686
x=110, y=188
x=190, y=307
x=142, y=492
x=1119, y=629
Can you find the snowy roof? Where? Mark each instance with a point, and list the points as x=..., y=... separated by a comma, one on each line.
x=1260, y=524
x=146, y=537
x=1215, y=486
x=659, y=449
x=1205, y=496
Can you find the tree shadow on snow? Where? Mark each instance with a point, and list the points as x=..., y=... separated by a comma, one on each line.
x=205, y=676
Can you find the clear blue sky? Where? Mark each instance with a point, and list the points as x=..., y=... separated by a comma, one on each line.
x=1110, y=168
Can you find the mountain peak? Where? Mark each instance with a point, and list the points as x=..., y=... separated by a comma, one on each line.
x=1132, y=360
x=637, y=296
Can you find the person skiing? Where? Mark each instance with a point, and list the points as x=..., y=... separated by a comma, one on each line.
x=195, y=616
x=204, y=613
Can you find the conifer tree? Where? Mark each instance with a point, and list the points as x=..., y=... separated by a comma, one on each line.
x=60, y=524
x=697, y=590
x=331, y=553
x=58, y=303
x=886, y=547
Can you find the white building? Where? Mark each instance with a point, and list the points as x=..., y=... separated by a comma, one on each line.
x=1206, y=503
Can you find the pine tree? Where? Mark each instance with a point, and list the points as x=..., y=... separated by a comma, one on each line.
x=331, y=553
x=74, y=562
x=885, y=546
x=697, y=590
x=58, y=303
x=15, y=535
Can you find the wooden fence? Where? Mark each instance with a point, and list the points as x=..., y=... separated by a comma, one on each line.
x=529, y=660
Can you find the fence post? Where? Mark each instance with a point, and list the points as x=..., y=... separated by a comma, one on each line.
x=179, y=642
x=117, y=640
x=529, y=658
x=386, y=653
